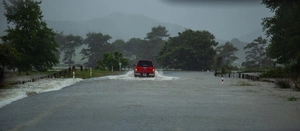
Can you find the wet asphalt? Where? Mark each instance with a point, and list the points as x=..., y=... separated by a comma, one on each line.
x=175, y=101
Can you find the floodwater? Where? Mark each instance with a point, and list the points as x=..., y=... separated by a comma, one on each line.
x=21, y=91
x=179, y=100
x=159, y=76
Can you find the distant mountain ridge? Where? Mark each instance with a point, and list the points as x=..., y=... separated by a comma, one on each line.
x=117, y=25
x=252, y=36
x=240, y=53
x=123, y=26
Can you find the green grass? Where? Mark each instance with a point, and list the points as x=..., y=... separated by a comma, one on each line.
x=292, y=98
x=85, y=74
x=30, y=73
x=243, y=83
x=4, y=84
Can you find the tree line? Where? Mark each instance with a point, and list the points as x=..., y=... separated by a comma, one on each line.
x=96, y=46
x=30, y=45
x=190, y=50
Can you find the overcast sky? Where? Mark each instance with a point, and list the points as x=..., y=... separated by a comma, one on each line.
x=226, y=20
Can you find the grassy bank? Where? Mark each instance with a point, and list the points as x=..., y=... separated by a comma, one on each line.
x=14, y=77
x=85, y=74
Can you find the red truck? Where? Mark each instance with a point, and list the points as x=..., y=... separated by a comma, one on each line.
x=144, y=68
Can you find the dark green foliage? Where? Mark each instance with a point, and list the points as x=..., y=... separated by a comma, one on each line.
x=284, y=84
x=256, y=55
x=219, y=62
x=112, y=60
x=154, y=42
x=190, y=50
x=97, y=45
x=278, y=72
x=227, y=53
x=157, y=33
x=134, y=49
x=60, y=39
x=225, y=56
x=119, y=45
x=9, y=56
x=68, y=44
x=292, y=98
x=284, y=30
x=29, y=35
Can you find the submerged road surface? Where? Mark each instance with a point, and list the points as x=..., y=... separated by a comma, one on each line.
x=175, y=101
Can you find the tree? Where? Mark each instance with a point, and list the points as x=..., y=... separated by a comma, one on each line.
x=112, y=60
x=119, y=45
x=132, y=49
x=135, y=49
x=190, y=50
x=9, y=56
x=154, y=41
x=68, y=44
x=60, y=39
x=97, y=45
x=226, y=53
x=157, y=33
x=29, y=35
x=256, y=55
x=284, y=31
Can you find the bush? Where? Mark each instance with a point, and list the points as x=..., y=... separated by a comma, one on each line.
x=275, y=73
x=284, y=84
x=243, y=83
x=292, y=98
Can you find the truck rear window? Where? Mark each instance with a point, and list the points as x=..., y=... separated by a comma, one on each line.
x=145, y=63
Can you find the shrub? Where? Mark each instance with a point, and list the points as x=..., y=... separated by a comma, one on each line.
x=243, y=83
x=292, y=98
x=274, y=73
x=284, y=84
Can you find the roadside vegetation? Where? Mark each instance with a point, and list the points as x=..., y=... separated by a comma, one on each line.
x=31, y=75
x=244, y=83
x=292, y=98
x=85, y=74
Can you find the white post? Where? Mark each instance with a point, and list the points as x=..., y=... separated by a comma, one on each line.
x=74, y=76
x=112, y=68
x=120, y=66
x=91, y=72
x=222, y=80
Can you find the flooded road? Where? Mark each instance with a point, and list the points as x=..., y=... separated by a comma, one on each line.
x=170, y=101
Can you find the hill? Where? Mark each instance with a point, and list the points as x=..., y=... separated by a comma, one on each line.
x=252, y=36
x=117, y=25
x=241, y=52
